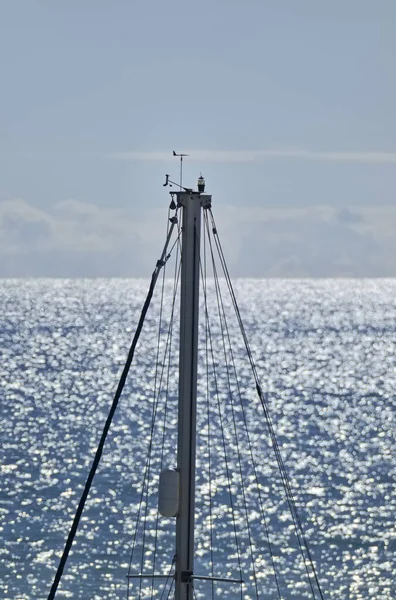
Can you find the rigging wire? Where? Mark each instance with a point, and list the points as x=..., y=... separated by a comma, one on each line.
x=76, y=521
x=146, y=472
x=282, y=469
x=171, y=587
x=155, y=396
x=145, y=484
x=167, y=580
x=209, y=429
x=218, y=293
x=175, y=288
x=230, y=365
x=252, y=460
x=227, y=468
x=302, y=541
x=146, y=477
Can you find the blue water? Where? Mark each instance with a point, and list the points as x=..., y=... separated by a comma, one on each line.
x=325, y=353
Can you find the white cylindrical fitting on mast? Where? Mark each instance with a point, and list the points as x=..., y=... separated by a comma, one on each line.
x=201, y=184
x=168, y=493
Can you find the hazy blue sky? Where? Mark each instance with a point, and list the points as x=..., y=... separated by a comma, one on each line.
x=285, y=105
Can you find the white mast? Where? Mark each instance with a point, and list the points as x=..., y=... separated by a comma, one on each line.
x=192, y=204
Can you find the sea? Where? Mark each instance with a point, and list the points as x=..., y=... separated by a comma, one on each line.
x=325, y=354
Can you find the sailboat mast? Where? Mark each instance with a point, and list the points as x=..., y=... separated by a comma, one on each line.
x=192, y=204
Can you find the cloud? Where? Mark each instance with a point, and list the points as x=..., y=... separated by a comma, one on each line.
x=22, y=226
x=248, y=156
x=313, y=241
x=347, y=216
x=76, y=239
x=72, y=239
x=310, y=246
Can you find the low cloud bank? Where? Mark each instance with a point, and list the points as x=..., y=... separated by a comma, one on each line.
x=74, y=239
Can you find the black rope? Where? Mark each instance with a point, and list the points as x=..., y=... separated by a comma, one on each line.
x=76, y=521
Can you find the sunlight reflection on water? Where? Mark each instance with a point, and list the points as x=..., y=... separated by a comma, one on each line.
x=325, y=352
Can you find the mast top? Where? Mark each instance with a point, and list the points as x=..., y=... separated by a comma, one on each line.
x=182, y=192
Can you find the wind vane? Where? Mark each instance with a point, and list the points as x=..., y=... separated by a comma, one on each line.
x=181, y=156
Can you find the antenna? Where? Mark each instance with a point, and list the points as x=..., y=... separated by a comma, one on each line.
x=181, y=155
x=169, y=181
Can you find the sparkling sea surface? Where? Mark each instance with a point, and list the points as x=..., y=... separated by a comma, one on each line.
x=325, y=354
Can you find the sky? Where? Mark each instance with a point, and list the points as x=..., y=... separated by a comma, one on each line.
x=287, y=108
